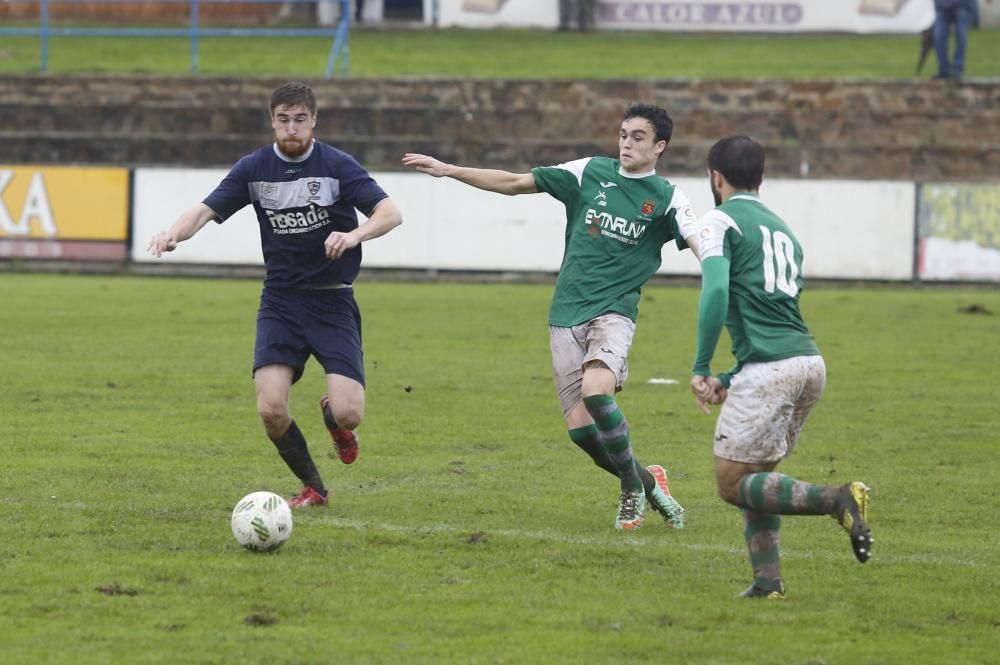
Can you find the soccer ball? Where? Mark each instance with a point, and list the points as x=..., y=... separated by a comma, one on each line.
x=261, y=521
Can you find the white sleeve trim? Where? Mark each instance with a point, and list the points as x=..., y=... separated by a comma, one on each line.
x=712, y=233
x=687, y=222
x=575, y=167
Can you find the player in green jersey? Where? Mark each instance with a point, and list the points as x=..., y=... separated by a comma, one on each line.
x=619, y=214
x=751, y=283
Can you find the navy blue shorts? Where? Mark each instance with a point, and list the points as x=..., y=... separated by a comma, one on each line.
x=293, y=324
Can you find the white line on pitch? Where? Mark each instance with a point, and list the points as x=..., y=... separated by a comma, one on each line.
x=623, y=540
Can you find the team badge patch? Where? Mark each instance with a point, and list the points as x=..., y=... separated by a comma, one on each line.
x=648, y=207
x=268, y=195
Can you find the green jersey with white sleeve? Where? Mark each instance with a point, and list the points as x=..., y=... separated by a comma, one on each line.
x=616, y=226
x=752, y=280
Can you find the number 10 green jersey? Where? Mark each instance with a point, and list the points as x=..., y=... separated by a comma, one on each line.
x=764, y=284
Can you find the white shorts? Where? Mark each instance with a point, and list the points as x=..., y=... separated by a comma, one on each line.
x=767, y=405
x=607, y=338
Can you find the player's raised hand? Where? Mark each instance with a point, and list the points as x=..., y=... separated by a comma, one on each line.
x=337, y=243
x=160, y=243
x=425, y=164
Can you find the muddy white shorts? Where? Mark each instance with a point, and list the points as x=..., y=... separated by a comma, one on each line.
x=607, y=338
x=767, y=405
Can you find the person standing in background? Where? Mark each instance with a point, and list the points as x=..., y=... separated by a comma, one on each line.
x=580, y=10
x=957, y=14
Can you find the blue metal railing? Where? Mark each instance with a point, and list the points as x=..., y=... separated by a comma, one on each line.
x=339, y=50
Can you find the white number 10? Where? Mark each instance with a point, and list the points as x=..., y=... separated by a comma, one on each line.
x=779, y=263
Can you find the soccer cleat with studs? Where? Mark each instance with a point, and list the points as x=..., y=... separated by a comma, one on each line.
x=345, y=442
x=631, y=506
x=662, y=501
x=308, y=497
x=754, y=591
x=852, y=513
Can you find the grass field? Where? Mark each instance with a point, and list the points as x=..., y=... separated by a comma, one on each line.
x=513, y=54
x=471, y=530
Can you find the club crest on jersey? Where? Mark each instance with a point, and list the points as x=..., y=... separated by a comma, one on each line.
x=313, y=189
x=268, y=195
x=648, y=207
x=601, y=198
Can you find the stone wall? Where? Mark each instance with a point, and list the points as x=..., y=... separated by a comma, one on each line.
x=905, y=130
x=146, y=12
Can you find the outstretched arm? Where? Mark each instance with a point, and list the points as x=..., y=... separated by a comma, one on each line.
x=712, y=309
x=384, y=218
x=189, y=223
x=491, y=180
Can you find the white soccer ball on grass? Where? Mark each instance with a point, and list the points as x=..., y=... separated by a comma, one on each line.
x=262, y=521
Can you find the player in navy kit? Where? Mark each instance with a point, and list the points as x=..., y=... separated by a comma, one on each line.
x=304, y=193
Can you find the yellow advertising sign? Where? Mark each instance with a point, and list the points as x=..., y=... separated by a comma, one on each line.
x=959, y=231
x=63, y=203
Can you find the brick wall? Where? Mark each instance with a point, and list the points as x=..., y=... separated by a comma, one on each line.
x=908, y=130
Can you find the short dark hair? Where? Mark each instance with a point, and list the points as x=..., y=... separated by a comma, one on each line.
x=294, y=94
x=740, y=160
x=656, y=116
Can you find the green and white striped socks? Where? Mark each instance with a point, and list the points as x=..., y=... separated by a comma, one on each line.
x=761, y=533
x=612, y=429
x=587, y=438
x=778, y=494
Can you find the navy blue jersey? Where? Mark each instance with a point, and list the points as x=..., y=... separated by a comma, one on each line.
x=298, y=204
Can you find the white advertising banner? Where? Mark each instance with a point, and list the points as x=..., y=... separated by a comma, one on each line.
x=451, y=226
x=849, y=229
x=161, y=195
x=774, y=16
x=493, y=13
